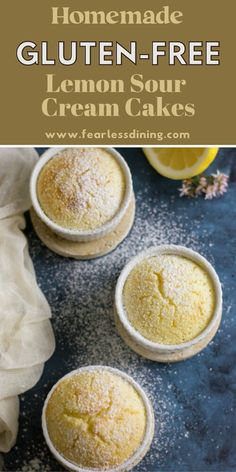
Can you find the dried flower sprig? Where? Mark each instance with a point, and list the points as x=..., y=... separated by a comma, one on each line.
x=211, y=186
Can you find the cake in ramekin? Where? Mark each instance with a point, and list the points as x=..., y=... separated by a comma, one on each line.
x=81, y=193
x=168, y=303
x=98, y=418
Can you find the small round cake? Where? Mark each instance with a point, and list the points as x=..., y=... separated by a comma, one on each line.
x=81, y=188
x=169, y=299
x=96, y=419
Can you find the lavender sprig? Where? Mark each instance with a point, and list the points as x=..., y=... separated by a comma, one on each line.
x=211, y=186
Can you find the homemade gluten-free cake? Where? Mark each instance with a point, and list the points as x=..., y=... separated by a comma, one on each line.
x=96, y=419
x=81, y=188
x=169, y=299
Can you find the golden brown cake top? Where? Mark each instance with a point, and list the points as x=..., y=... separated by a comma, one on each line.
x=81, y=188
x=169, y=299
x=96, y=419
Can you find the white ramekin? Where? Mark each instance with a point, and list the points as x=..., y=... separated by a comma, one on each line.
x=139, y=453
x=72, y=234
x=162, y=352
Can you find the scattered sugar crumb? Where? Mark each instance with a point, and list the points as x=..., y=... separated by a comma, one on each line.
x=35, y=465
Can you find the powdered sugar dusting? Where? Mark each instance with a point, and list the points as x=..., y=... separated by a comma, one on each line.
x=75, y=186
x=35, y=465
x=82, y=305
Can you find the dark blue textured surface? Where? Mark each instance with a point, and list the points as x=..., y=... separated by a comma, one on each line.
x=203, y=388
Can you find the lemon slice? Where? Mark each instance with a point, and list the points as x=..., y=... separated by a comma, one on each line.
x=180, y=163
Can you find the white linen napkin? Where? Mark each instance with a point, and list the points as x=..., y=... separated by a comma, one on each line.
x=26, y=336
